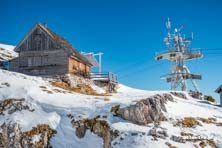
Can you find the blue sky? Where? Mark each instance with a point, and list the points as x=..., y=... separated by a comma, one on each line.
x=129, y=33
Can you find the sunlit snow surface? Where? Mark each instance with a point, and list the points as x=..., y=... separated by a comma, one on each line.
x=52, y=108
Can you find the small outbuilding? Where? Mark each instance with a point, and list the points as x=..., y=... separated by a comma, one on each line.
x=219, y=91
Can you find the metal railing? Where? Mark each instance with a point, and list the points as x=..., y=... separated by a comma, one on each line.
x=104, y=76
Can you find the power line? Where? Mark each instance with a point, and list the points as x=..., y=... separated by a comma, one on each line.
x=130, y=74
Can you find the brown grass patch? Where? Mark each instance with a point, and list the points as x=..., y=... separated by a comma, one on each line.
x=207, y=120
x=190, y=122
x=81, y=88
x=219, y=124
x=187, y=122
x=186, y=134
x=170, y=145
x=205, y=143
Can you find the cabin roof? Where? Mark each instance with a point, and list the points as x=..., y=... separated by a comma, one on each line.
x=71, y=51
x=219, y=89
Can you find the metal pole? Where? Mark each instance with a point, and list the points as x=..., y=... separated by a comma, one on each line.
x=100, y=61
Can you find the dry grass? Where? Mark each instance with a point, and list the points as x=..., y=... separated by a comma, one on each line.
x=81, y=88
x=190, y=122
x=187, y=122
x=210, y=121
x=207, y=120
x=186, y=134
x=202, y=142
x=219, y=124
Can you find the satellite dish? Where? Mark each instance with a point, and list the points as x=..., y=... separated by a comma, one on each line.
x=175, y=30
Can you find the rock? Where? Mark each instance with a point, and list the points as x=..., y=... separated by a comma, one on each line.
x=158, y=133
x=12, y=136
x=13, y=105
x=202, y=144
x=134, y=134
x=179, y=95
x=144, y=111
x=98, y=127
x=170, y=145
x=80, y=131
x=178, y=139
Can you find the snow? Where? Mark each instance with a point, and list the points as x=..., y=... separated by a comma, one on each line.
x=35, y=138
x=51, y=107
x=7, y=52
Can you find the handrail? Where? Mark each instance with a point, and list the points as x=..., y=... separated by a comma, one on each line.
x=109, y=76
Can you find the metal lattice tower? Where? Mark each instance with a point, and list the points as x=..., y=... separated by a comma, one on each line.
x=178, y=52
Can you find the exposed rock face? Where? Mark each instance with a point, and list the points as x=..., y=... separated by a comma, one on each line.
x=177, y=139
x=98, y=127
x=179, y=94
x=145, y=111
x=11, y=136
x=156, y=133
x=74, y=80
x=13, y=105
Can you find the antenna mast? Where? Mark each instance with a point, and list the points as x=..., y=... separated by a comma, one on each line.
x=178, y=52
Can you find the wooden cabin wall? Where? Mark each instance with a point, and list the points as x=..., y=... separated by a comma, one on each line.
x=40, y=55
x=88, y=70
x=38, y=41
x=73, y=65
x=78, y=67
x=47, y=62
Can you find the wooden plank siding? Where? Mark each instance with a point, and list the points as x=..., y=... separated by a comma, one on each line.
x=76, y=67
x=43, y=52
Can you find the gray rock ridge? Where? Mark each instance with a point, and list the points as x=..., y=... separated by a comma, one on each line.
x=96, y=126
x=145, y=111
x=11, y=136
x=12, y=105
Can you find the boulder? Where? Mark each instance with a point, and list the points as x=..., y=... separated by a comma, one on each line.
x=12, y=136
x=12, y=105
x=144, y=111
x=96, y=126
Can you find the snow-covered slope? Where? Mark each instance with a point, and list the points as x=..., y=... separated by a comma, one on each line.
x=52, y=105
x=7, y=52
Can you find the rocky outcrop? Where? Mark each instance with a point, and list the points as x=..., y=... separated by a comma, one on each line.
x=144, y=111
x=157, y=133
x=177, y=139
x=96, y=126
x=11, y=136
x=12, y=105
x=179, y=94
